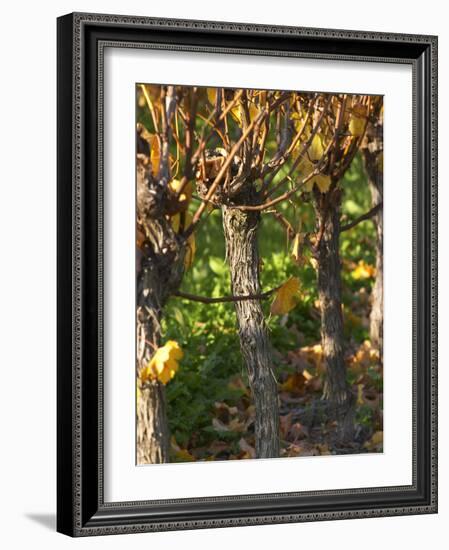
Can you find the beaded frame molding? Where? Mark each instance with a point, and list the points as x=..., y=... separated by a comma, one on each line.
x=81, y=510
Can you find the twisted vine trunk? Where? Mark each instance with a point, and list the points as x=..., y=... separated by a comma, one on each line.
x=240, y=230
x=375, y=180
x=152, y=424
x=336, y=389
x=159, y=274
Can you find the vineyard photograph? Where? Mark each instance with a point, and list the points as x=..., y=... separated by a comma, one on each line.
x=259, y=273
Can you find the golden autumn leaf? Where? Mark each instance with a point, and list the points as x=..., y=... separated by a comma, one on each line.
x=297, y=246
x=183, y=455
x=377, y=438
x=294, y=384
x=176, y=222
x=360, y=400
x=322, y=181
x=212, y=95
x=236, y=110
x=286, y=297
x=155, y=154
x=298, y=117
x=175, y=186
x=356, y=126
x=237, y=115
x=253, y=110
x=186, y=194
x=180, y=455
x=306, y=168
x=248, y=450
x=164, y=363
x=316, y=148
x=376, y=441
x=212, y=98
x=190, y=252
x=140, y=238
x=363, y=271
x=313, y=263
x=357, y=121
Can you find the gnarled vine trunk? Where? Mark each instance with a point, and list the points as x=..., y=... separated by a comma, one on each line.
x=152, y=425
x=336, y=388
x=240, y=229
x=160, y=268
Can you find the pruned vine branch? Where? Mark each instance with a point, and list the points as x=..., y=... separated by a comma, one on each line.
x=224, y=299
x=371, y=213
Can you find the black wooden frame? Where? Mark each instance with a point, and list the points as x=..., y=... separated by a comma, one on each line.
x=81, y=509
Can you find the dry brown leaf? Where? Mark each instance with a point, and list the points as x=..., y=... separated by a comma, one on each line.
x=247, y=448
x=294, y=384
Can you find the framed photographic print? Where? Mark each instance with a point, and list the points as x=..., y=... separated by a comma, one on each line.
x=247, y=287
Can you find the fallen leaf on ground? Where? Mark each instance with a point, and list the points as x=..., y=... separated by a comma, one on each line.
x=247, y=448
x=294, y=384
x=376, y=441
x=219, y=425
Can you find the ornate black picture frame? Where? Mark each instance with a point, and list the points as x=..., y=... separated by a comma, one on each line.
x=81, y=510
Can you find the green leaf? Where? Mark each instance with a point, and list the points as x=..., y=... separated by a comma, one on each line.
x=179, y=316
x=217, y=265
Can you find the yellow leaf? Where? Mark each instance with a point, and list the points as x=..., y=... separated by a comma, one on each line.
x=186, y=195
x=307, y=375
x=168, y=372
x=286, y=297
x=358, y=120
x=155, y=155
x=356, y=126
x=253, y=111
x=323, y=182
x=316, y=149
x=360, y=400
x=363, y=271
x=175, y=222
x=237, y=114
x=164, y=363
x=294, y=384
x=140, y=238
x=212, y=98
x=313, y=263
x=306, y=167
x=297, y=248
x=175, y=186
x=190, y=252
x=183, y=455
x=212, y=95
x=376, y=441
